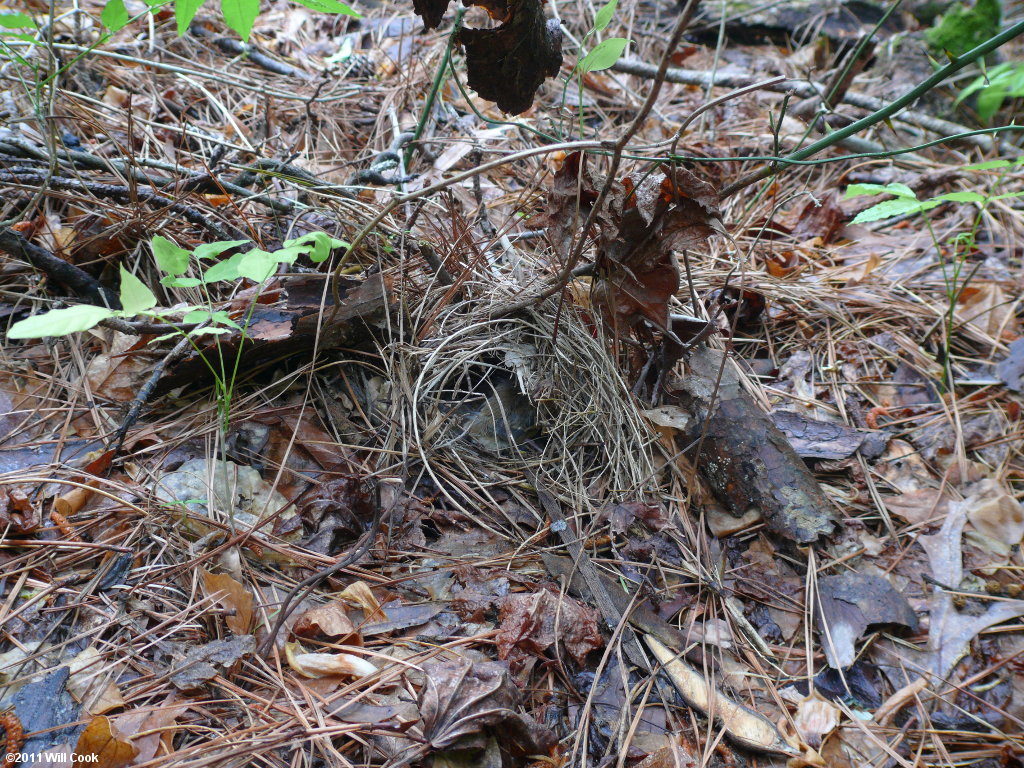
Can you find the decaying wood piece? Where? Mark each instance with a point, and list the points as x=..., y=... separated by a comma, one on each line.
x=744, y=457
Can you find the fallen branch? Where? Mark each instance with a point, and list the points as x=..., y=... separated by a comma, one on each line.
x=804, y=89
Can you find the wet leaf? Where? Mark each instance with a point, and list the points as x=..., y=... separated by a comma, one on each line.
x=204, y=662
x=1011, y=368
x=531, y=623
x=99, y=745
x=649, y=218
x=850, y=603
x=461, y=699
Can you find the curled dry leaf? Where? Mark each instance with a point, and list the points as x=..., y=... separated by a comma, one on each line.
x=850, y=603
x=531, y=623
x=360, y=595
x=315, y=665
x=743, y=725
x=204, y=662
x=461, y=698
x=996, y=514
x=815, y=718
x=329, y=620
x=637, y=272
x=234, y=597
x=99, y=745
x=508, y=64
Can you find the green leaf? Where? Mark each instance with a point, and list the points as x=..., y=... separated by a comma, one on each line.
x=221, y=317
x=180, y=282
x=257, y=265
x=224, y=271
x=604, y=16
x=17, y=21
x=990, y=101
x=60, y=322
x=988, y=166
x=860, y=190
x=169, y=257
x=114, y=15
x=329, y=6
x=195, y=316
x=322, y=244
x=184, y=12
x=240, y=15
x=135, y=296
x=961, y=197
x=212, y=250
x=604, y=55
x=208, y=330
x=887, y=209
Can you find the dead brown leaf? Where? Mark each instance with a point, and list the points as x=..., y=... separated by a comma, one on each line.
x=235, y=598
x=532, y=623
x=507, y=65
x=99, y=745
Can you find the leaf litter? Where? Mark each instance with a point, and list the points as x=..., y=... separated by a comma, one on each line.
x=806, y=549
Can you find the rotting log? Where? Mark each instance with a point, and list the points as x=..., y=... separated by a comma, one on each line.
x=746, y=460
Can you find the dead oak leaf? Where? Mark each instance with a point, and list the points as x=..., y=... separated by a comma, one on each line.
x=531, y=623
x=637, y=272
x=462, y=699
x=507, y=64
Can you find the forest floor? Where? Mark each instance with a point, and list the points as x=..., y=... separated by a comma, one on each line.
x=742, y=489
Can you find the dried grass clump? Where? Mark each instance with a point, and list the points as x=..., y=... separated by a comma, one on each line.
x=588, y=441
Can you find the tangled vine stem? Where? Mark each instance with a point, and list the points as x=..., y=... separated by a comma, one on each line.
x=885, y=113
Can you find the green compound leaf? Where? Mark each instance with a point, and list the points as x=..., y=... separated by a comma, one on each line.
x=184, y=12
x=135, y=296
x=17, y=21
x=604, y=16
x=257, y=265
x=888, y=209
x=170, y=258
x=212, y=250
x=329, y=6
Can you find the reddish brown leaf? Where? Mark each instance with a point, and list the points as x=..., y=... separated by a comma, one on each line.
x=100, y=746
x=637, y=272
x=531, y=623
x=508, y=64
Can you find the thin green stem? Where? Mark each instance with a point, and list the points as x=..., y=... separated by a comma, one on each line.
x=886, y=112
x=435, y=87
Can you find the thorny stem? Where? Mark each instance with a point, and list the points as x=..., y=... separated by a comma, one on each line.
x=882, y=114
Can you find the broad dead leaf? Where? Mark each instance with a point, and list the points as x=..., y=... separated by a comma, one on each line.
x=99, y=745
x=462, y=698
x=849, y=604
x=532, y=623
x=637, y=272
x=234, y=597
x=507, y=64
x=204, y=662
